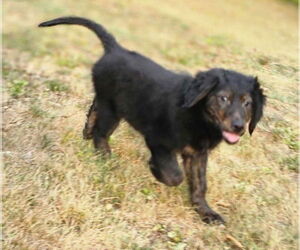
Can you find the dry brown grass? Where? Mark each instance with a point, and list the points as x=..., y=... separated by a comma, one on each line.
x=59, y=195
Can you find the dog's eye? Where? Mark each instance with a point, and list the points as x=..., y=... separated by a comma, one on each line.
x=223, y=98
x=247, y=103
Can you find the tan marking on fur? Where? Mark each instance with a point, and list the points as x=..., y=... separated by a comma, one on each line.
x=103, y=147
x=245, y=97
x=188, y=150
x=91, y=120
x=89, y=125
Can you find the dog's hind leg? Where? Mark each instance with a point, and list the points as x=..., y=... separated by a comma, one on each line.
x=105, y=124
x=164, y=166
x=90, y=121
x=195, y=170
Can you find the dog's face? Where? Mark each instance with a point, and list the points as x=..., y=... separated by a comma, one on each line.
x=232, y=101
x=231, y=108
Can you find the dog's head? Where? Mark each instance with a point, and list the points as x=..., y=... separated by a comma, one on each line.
x=232, y=101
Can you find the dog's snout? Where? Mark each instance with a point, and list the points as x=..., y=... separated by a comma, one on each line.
x=238, y=125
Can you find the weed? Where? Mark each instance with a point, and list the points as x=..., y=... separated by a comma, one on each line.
x=289, y=136
x=175, y=236
x=56, y=86
x=291, y=163
x=17, y=87
x=37, y=111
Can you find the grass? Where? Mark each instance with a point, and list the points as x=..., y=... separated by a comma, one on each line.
x=17, y=87
x=58, y=194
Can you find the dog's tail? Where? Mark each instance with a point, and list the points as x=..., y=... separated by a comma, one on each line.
x=108, y=41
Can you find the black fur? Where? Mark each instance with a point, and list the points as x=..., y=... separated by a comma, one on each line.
x=176, y=113
x=108, y=41
x=200, y=87
x=257, y=108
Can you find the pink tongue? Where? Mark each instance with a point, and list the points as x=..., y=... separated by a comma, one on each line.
x=231, y=137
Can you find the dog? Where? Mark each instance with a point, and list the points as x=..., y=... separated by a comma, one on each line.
x=176, y=113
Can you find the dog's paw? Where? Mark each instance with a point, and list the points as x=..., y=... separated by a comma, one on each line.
x=87, y=134
x=211, y=217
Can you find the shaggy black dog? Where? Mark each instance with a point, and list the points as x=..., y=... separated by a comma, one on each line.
x=176, y=113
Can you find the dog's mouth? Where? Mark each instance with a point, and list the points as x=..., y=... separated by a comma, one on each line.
x=231, y=137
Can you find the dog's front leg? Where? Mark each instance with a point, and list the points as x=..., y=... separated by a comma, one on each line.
x=164, y=166
x=195, y=168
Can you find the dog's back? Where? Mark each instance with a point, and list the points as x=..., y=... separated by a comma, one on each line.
x=140, y=90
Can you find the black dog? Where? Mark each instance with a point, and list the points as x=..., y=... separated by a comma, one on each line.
x=175, y=113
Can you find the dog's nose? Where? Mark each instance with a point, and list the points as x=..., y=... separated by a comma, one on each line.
x=237, y=126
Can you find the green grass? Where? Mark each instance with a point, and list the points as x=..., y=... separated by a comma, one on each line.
x=59, y=194
x=56, y=86
x=17, y=87
x=291, y=163
x=292, y=1
x=288, y=135
x=36, y=111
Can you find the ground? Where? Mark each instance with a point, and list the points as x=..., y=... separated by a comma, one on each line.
x=58, y=194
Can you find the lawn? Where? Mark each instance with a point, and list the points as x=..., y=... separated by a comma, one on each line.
x=58, y=194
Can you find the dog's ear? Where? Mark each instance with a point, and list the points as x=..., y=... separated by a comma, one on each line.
x=258, y=102
x=200, y=86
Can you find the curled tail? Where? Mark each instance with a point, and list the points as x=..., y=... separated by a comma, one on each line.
x=108, y=41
